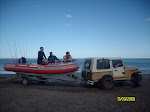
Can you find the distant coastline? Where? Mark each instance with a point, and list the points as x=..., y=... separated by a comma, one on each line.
x=80, y=58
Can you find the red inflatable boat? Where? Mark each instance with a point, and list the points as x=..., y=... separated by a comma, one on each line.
x=58, y=68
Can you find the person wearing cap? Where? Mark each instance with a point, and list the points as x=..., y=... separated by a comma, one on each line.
x=68, y=56
x=52, y=58
x=41, y=54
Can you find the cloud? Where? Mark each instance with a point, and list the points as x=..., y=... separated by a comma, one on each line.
x=67, y=25
x=148, y=19
x=68, y=16
x=68, y=20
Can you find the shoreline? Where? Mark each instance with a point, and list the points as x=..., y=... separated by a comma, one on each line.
x=82, y=58
x=58, y=78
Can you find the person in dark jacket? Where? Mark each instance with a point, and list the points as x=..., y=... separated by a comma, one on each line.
x=41, y=54
x=52, y=58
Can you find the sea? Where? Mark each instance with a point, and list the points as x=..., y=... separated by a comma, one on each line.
x=143, y=64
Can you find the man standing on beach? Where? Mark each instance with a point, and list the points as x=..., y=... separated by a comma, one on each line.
x=41, y=54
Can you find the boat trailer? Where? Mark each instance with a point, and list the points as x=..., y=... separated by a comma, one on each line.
x=27, y=78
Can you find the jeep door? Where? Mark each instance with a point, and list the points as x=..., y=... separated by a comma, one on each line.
x=118, y=68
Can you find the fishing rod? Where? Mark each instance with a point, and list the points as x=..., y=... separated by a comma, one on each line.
x=26, y=49
x=10, y=51
x=20, y=49
x=15, y=50
x=23, y=50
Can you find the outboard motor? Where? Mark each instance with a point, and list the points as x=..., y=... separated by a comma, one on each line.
x=22, y=60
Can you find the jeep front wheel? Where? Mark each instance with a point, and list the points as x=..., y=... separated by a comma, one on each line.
x=106, y=82
x=138, y=80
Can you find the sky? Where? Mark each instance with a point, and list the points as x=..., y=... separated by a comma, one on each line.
x=85, y=28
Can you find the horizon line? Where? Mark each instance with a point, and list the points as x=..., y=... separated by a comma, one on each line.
x=84, y=58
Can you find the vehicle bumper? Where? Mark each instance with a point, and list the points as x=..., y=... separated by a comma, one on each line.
x=90, y=82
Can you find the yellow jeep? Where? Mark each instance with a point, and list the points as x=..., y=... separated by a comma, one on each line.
x=105, y=71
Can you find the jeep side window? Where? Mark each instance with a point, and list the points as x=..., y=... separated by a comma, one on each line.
x=100, y=64
x=87, y=64
x=117, y=63
x=106, y=64
x=103, y=64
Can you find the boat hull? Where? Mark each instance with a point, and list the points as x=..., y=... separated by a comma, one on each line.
x=42, y=69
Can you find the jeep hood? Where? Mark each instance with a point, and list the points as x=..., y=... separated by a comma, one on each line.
x=132, y=68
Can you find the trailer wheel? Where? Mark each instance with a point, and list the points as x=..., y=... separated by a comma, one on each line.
x=25, y=81
x=106, y=83
x=138, y=80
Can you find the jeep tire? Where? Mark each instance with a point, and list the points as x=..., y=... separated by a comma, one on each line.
x=106, y=83
x=138, y=80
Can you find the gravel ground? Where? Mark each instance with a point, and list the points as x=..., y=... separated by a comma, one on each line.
x=65, y=96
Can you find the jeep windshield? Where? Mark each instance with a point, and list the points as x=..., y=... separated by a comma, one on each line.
x=87, y=64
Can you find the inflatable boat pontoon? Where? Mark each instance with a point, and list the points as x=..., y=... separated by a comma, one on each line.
x=57, y=68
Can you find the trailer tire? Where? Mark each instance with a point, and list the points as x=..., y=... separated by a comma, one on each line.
x=25, y=81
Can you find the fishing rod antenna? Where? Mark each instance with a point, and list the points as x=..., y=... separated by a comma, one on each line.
x=10, y=52
x=20, y=49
